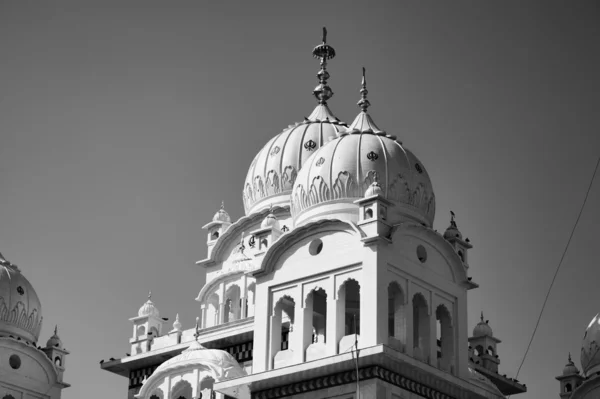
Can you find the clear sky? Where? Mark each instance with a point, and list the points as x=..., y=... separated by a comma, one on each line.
x=124, y=124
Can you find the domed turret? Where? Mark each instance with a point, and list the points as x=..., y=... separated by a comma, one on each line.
x=273, y=171
x=54, y=341
x=342, y=171
x=20, y=307
x=222, y=215
x=570, y=368
x=270, y=221
x=374, y=189
x=590, y=348
x=452, y=231
x=482, y=329
x=148, y=308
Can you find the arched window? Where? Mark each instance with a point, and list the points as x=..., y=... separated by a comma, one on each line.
x=8, y=397
x=396, y=315
x=568, y=388
x=58, y=361
x=154, y=332
x=206, y=387
x=232, y=304
x=282, y=321
x=316, y=303
x=141, y=330
x=215, y=235
x=351, y=294
x=461, y=255
x=479, y=350
x=420, y=328
x=182, y=389
x=446, y=338
x=368, y=213
x=212, y=311
x=490, y=350
x=250, y=300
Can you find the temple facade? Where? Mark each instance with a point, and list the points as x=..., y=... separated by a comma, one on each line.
x=332, y=285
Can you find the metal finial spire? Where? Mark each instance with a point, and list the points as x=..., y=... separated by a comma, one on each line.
x=324, y=52
x=56, y=331
x=363, y=103
x=222, y=205
x=452, y=221
x=570, y=361
x=149, y=295
x=482, y=315
x=197, y=334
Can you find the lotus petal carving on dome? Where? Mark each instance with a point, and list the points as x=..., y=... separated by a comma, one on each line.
x=344, y=186
x=19, y=317
x=289, y=177
x=399, y=190
x=272, y=185
x=259, y=187
x=319, y=192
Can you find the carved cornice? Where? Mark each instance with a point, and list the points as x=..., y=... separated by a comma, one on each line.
x=348, y=377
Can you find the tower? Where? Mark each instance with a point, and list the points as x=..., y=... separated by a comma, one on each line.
x=484, y=344
x=570, y=379
x=147, y=326
x=455, y=238
x=56, y=353
x=219, y=224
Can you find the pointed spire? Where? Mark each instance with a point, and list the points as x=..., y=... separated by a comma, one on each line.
x=149, y=295
x=363, y=123
x=452, y=221
x=570, y=361
x=363, y=103
x=323, y=52
x=56, y=330
x=222, y=205
x=177, y=323
x=482, y=315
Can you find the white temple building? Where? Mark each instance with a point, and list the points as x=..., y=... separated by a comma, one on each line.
x=333, y=285
x=27, y=370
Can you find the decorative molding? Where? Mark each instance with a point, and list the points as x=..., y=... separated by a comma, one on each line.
x=348, y=377
x=20, y=317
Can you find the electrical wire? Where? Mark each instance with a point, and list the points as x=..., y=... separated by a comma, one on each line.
x=557, y=269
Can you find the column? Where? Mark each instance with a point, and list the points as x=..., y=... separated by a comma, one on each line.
x=432, y=333
x=203, y=316
x=221, y=316
x=409, y=321
x=244, y=299
x=275, y=336
x=262, y=329
x=333, y=336
x=302, y=329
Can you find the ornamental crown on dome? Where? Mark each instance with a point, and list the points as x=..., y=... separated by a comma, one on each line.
x=273, y=171
x=20, y=307
x=570, y=367
x=340, y=173
x=483, y=328
x=148, y=308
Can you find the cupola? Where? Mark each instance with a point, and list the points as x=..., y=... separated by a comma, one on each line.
x=20, y=307
x=54, y=340
x=273, y=171
x=342, y=171
x=148, y=308
x=483, y=328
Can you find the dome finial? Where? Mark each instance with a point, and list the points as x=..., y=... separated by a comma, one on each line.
x=197, y=334
x=570, y=361
x=149, y=295
x=363, y=103
x=452, y=221
x=222, y=205
x=482, y=315
x=324, y=52
x=56, y=330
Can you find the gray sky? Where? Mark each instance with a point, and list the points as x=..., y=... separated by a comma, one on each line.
x=124, y=125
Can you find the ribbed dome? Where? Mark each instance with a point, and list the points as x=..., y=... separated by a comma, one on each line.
x=452, y=231
x=148, y=308
x=342, y=171
x=272, y=174
x=20, y=307
x=590, y=347
x=483, y=329
x=374, y=189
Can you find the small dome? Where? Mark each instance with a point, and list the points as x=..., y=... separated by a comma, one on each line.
x=570, y=368
x=222, y=215
x=374, y=189
x=196, y=354
x=482, y=329
x=177, y=323
x=270, y=221
x=148, y=308
x=20, y=307
x=54, y=341
x=452, y=231
x=590, y=347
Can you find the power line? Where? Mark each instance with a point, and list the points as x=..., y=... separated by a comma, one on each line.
x=558, y=268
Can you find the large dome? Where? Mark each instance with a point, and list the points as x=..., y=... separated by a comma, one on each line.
x=590, y=348
x=273, y=171
x=20, y=307
x=340, y=172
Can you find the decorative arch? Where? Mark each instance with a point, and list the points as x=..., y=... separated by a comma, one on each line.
x=282, y=330
x=437, y=243
x=396, y=315
x=157, y=394
x=8, y=397
x=232, y=305
x=278, y=248
x=182, y=389
x=206, y=387
x=421, y=333
x=446, y=338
